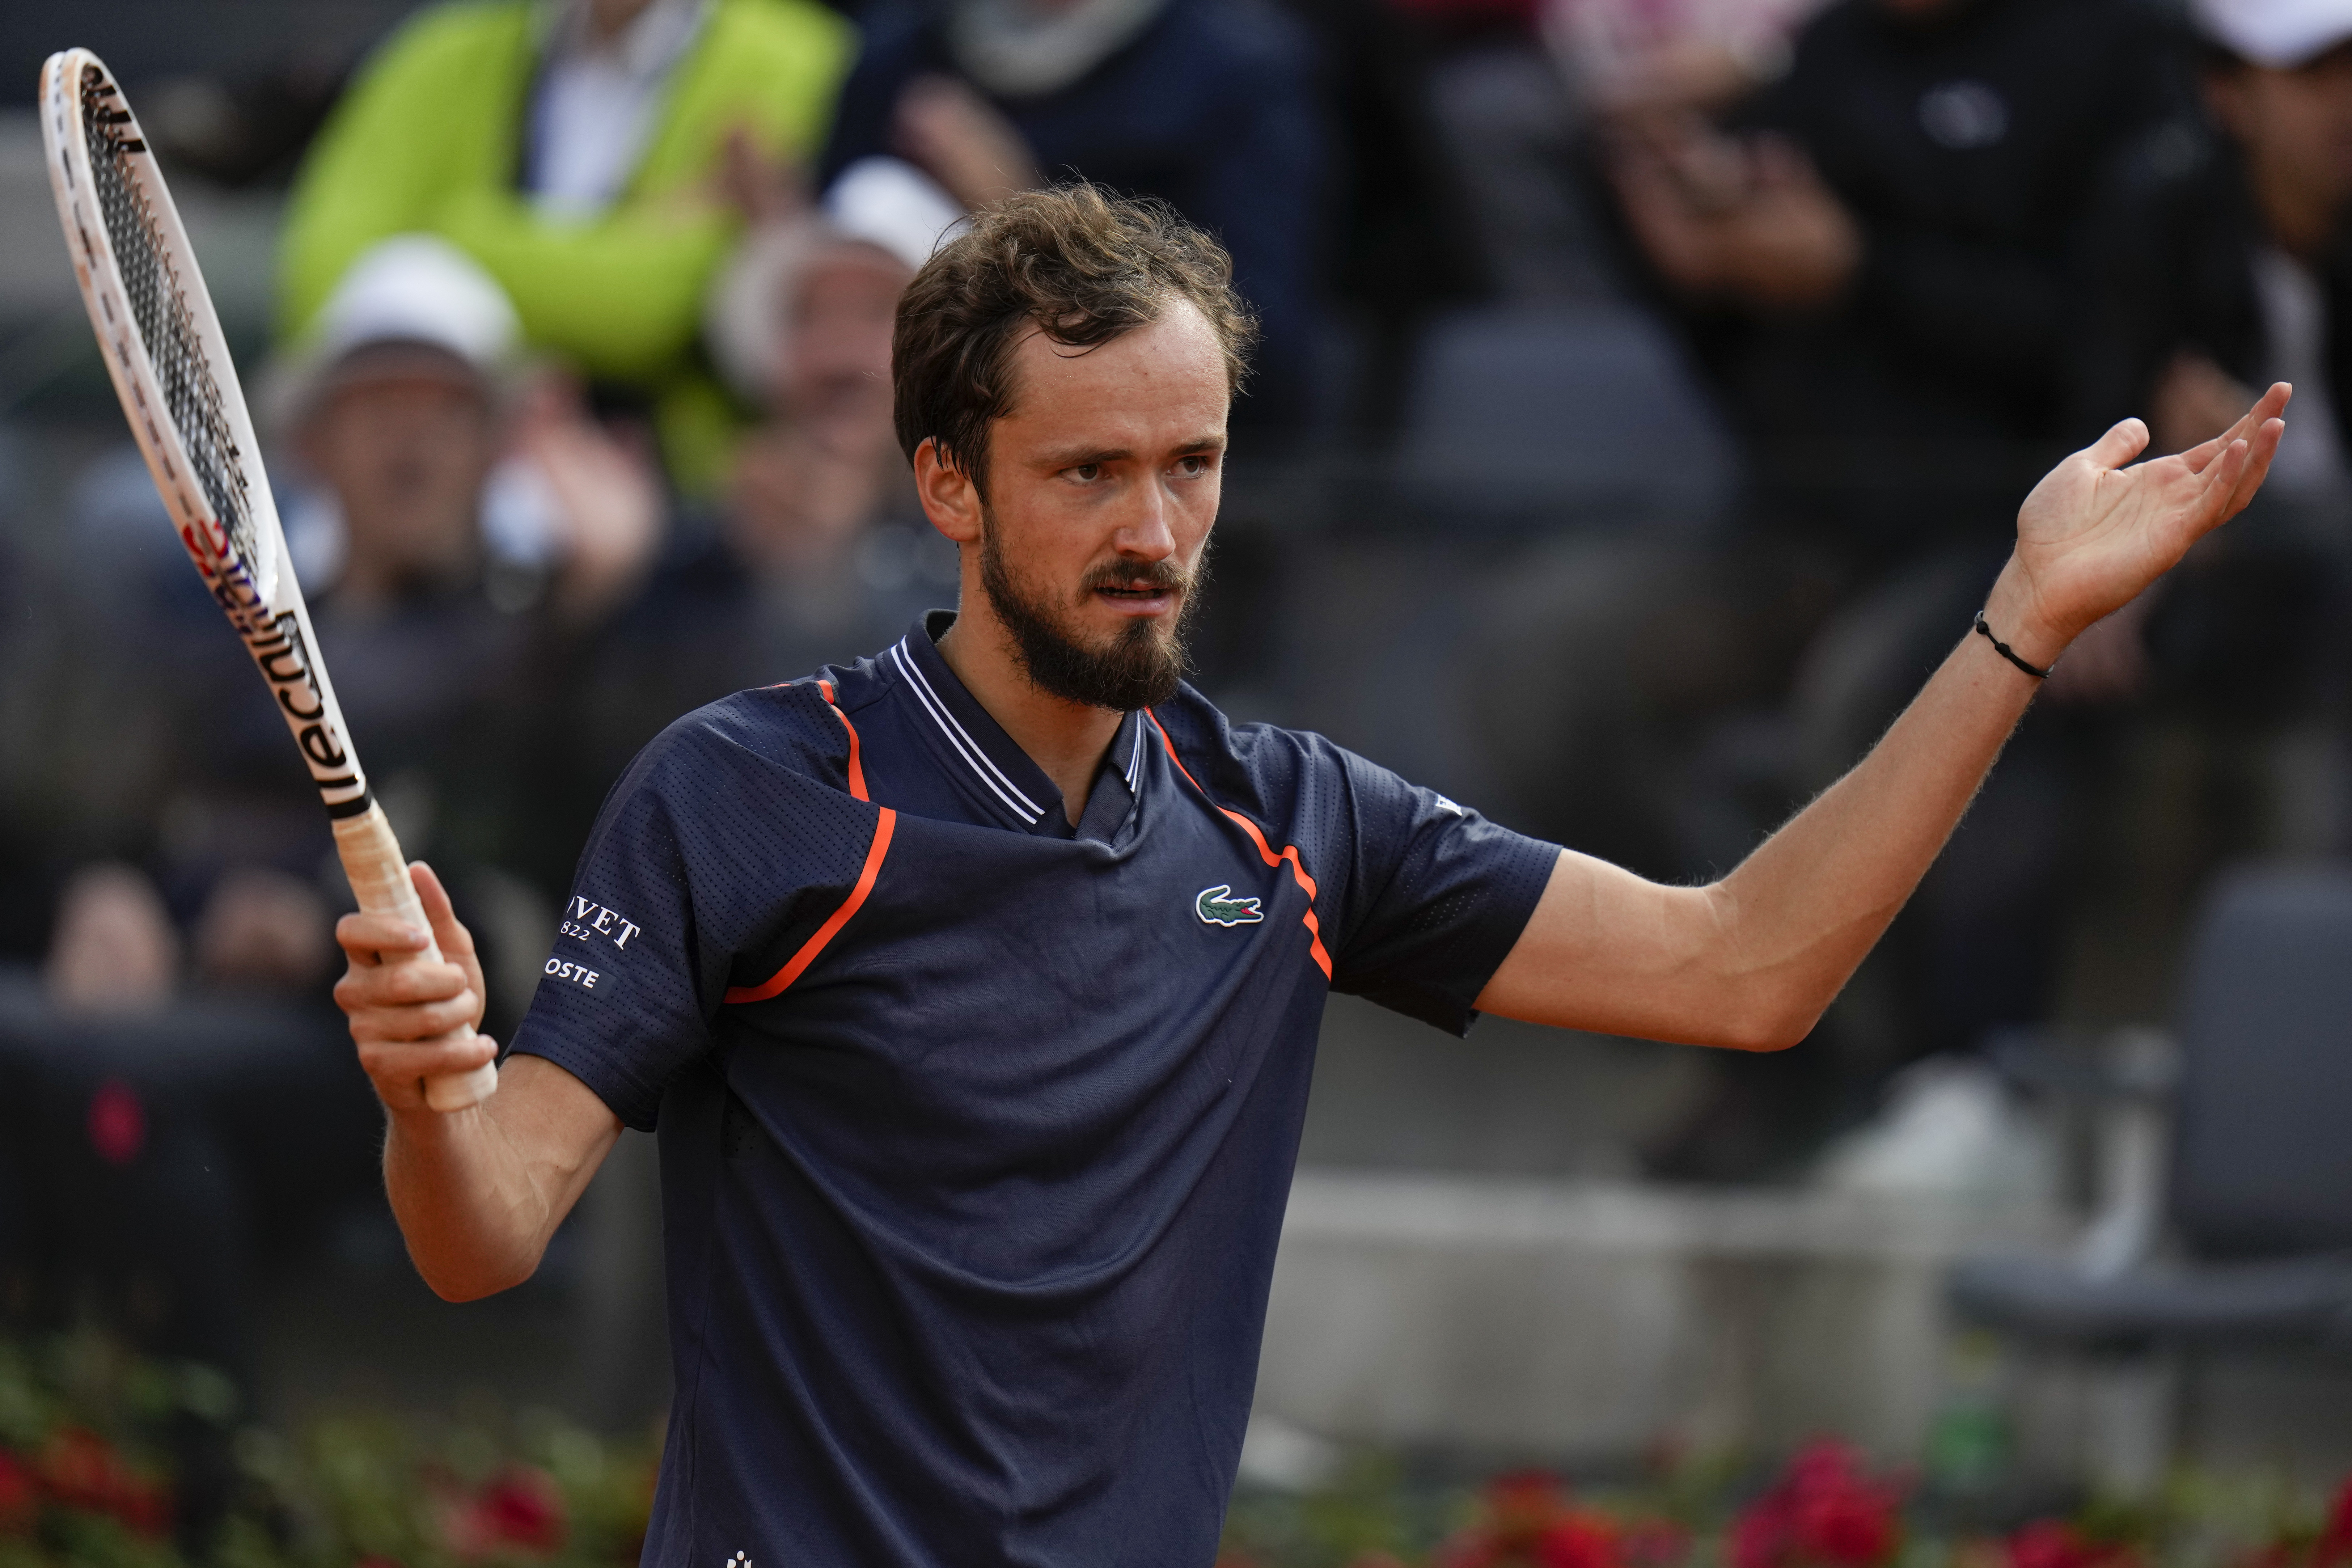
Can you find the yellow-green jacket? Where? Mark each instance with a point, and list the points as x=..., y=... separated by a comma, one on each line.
x=429, y=139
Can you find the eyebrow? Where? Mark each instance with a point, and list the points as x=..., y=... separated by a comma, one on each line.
x=1072, y=457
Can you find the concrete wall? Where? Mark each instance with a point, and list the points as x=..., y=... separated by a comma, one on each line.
x=1592, y=1318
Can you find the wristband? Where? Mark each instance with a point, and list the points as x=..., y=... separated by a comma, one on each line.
x=2008, y=652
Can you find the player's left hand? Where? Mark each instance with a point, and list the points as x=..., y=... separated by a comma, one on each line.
x=2095, y=532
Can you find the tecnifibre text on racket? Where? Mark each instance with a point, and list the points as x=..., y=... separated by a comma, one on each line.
x=162, y=346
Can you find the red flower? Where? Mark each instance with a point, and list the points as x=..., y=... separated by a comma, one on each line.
x=2335, y=1544
x=519, y=1514
x=1825, y=1511
x=2047, y=1543
x=20, y=1495
x=1759, y=1536
x=1520, y=1504
x=1577, y=1541
x=1528, y=1522
x=1852, y=1527
x=82, y=1471
x=117, y=1122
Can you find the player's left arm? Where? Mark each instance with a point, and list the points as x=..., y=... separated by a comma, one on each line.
x=1751, y=962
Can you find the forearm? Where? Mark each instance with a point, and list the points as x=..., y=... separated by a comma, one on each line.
x=1793, y=921
x=477, y=1193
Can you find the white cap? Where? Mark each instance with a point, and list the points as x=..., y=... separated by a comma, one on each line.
x=2278, y=34
x=892, y=204
x=410, y=289
x=418, y=288
x=879, y=201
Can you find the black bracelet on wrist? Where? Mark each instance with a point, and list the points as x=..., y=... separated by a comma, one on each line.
x=2008, y=652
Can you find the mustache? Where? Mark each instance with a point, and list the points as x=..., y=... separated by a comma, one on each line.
x=1161, y=574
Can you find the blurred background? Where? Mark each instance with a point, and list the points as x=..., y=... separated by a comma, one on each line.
x=1646, y=392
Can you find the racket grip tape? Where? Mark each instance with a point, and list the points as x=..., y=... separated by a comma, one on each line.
x=379, y=879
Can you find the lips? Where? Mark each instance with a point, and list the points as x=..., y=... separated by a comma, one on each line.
x=1139, y=596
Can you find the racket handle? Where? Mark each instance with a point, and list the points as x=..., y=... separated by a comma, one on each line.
x=379, y=879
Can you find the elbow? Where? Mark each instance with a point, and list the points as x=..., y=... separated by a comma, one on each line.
x=1770, y=1024
x=1765, y=1041
x=458, y=1282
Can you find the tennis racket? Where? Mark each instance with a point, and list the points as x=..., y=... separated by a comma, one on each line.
x=163, y=348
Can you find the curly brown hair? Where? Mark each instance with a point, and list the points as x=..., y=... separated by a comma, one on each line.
x=1084, y=265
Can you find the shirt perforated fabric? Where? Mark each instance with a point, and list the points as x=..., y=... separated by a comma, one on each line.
x=977, y=1126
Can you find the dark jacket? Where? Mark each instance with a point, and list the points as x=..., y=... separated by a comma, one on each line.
x=2171, y=269
x=1212, y=108
x=1967, y=148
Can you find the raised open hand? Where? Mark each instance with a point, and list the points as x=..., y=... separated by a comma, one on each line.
x=2095, y=533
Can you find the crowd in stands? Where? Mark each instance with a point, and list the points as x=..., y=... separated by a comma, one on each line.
x=580, y=414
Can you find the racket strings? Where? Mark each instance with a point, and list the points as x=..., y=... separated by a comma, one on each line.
x=190, y=396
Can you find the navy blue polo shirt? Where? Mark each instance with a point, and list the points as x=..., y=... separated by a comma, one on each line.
x=976, y=1128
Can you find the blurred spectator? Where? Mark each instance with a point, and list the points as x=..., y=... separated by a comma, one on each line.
x=1672, y=54
x=820, y=552
x=468, y=528
x=2225, y=261
x=187, y=1095
x=1210, y=104
x=1877, y=267
x=1514, y=107
x=2222, y=259
x=596, y=156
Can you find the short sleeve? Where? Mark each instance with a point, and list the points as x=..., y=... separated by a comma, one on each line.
x=712, y=855
x=1437, y=897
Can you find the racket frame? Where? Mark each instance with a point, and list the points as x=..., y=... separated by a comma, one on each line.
x=260, y=597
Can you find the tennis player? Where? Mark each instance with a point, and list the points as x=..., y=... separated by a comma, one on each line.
x=974, y=985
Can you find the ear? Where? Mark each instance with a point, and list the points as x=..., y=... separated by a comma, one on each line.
x=950, y=497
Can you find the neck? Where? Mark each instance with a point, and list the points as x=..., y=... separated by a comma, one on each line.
x=1066, y=739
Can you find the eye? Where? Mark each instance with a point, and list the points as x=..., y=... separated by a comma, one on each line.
x=1194, y=465
x=1084, y=473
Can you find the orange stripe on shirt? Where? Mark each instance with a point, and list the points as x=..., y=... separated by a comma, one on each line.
x=1265, y=851
x=784, y=977
x=857, y=768
x=874, y=853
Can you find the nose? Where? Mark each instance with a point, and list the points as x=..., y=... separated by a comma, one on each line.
x=1147, y=529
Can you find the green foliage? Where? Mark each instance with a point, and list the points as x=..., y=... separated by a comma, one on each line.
x=1825, y=1507
x=84, y=1483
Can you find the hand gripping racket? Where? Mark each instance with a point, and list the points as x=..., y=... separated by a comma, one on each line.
x=163, y=348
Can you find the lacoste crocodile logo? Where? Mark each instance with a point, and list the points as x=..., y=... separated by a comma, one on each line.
x=1217, y=906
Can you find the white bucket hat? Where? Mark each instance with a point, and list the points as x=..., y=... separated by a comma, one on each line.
x=881, y=202
x=2278, y=34
x=410, y=289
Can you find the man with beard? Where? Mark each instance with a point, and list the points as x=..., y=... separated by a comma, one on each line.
x=974, y=986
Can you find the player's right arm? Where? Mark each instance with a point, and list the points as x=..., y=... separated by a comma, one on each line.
x=477, y=1192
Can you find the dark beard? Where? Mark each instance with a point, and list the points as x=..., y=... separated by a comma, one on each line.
x=1140, y=669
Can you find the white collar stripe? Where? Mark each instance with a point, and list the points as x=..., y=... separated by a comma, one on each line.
x=1005, y=788
x=1135, y=758
x=1018, y=804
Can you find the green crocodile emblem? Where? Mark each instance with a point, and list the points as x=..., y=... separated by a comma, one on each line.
x=1216, y=907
